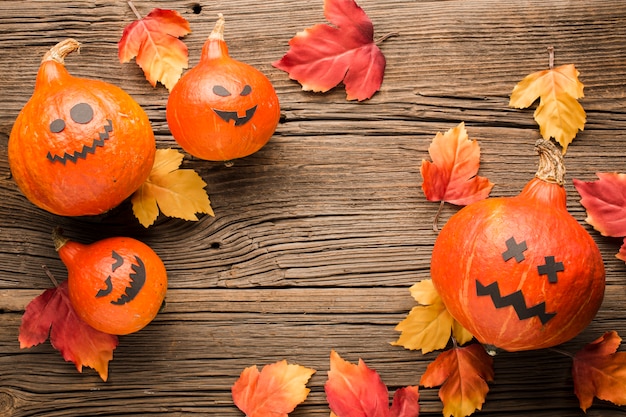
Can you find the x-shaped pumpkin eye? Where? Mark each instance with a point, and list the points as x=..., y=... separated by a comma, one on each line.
x=221, y=91
x=516, y=250
x=81, y=113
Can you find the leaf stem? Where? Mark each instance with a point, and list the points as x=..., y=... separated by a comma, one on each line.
x=134, y=9
x=562, y=352
x=50, y=276
x=551, y=57
x=436, y=219
x=385, y=37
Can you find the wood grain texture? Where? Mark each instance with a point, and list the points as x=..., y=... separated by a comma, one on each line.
x=318, y=236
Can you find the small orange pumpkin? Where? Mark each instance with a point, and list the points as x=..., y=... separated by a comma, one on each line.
x=222, y=109
x=79, y=146
x=116, y=285
x=520, y=273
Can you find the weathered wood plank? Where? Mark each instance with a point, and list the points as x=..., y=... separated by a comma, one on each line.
x=318, y=236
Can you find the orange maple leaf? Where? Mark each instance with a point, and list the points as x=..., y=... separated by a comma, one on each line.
x=429, y=325
x=273, y=392
x=452, y=176
x=600, y=371
x=463, y=373
x=51, y=313
x=356, y=391
x=154, y=41
x=559, y=114
x=322, y=56
x=177, y=192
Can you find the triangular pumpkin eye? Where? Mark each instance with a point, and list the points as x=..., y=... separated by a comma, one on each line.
x=246, y=90
x=221, y=91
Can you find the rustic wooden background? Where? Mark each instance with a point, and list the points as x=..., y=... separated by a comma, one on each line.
x=317, y=237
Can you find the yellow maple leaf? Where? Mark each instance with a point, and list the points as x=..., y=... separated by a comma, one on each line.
x=559, y=114
x=177, y=192
x=428, y=326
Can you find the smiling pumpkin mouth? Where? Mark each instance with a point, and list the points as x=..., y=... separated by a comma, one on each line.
x=137, y=280
x=227, y=116
x=82, y=154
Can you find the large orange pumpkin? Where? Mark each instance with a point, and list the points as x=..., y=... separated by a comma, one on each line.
x=222, y=109
x=116, y=285
x=79, y=146
x=520, y=273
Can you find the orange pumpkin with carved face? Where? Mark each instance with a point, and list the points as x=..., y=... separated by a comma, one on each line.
x=222, y=109
x=116, y=285
x=79, y=146
x=520, y=272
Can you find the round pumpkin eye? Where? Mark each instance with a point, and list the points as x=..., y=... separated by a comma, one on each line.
x=81, y=113
x=57, y=126
x=220, y=91
x=246, y=90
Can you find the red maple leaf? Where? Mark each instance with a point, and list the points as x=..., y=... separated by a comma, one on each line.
x=605, y=202
x=51, y=313
x=154, y=41
x=322, y=56
x=600, y=371
x=357, y=391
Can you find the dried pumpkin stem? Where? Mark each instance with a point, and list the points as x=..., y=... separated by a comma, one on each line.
x=58, y=238
x=218, y=31
x=62, y=49
x=551, y=167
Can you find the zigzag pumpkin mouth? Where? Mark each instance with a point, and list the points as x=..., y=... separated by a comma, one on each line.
x=82, y=154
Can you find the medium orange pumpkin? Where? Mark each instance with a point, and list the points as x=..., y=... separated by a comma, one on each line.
x=222, y=109
x=520, y=273
x=79, y=146
x=116, y=285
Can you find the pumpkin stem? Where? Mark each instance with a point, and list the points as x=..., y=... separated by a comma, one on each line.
x=58, y=238
x=218, y=31
x=551, y=168
x=62, y=49
x=491, y=350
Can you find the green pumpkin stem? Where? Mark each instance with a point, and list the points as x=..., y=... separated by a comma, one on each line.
x=551, y=168
x=62, y=49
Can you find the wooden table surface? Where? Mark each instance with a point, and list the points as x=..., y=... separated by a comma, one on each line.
x=316, y=238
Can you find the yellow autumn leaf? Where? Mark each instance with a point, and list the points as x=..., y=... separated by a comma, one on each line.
x=428, y=326
x=559, y=114
x=176, y=192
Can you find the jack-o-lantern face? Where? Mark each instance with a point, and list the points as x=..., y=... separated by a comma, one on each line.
x=116, y=285
x=233, y=115
x=222, y=109
x=129, y=285
x=516, y=300
x=513, y=282
x=81, y=114
x=79, y=146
